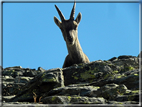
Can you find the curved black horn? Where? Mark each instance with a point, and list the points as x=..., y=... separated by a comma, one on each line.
x=73, y=12
x=60, y=14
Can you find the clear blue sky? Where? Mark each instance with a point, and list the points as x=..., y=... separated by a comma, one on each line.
x=32, y=39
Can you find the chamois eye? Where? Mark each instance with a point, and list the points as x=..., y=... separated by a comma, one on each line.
x=75, y=27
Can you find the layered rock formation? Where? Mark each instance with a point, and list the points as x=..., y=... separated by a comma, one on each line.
x=115, y=81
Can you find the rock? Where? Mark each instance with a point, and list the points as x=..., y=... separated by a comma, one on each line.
x=11, y=68
x=41, y=69
x=22, y=79
x=130, y=80
x=31, y=73
x=44, y=82
x=11, y=88
x=7, y=98
x=114, y=81
x=74, y=90
x=110, y=91
x=86, y=73
x=19, y=71
x=123, y=102
x=112, y=59
x=125, y=57
x=73, y=100
x=134, y=97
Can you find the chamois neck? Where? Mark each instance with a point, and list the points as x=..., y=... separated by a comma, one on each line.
x=75, y=50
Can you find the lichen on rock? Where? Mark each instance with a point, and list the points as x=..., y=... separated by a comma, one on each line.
x=115, y=81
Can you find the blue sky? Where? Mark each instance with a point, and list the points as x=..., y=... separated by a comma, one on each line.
x=31, y=39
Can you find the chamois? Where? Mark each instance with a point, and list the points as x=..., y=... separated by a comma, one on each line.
x=69, y=31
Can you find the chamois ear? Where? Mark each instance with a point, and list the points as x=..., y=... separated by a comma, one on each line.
x=78, y=18
x=56, y=20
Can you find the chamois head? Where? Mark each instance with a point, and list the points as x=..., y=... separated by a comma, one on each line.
x=68, y=27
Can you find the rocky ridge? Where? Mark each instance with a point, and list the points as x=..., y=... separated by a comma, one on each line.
x=115, y=81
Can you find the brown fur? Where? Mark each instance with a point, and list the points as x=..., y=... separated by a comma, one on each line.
x=69, y=31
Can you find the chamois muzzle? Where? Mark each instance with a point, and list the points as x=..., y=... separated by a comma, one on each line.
x=70, y=39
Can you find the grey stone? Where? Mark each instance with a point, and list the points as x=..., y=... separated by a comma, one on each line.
x=44, y=82
x=11, y=68
x=73, y=100
x=73, y=90
x=41, y=69
x=125, y=56
x=115, y=81
x=112, y=59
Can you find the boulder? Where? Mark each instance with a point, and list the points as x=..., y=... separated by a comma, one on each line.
x=72, y=100
x=114, y=81
x=42, y=83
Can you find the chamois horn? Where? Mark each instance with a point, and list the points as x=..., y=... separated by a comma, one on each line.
x=73, y=12
x=60, y=14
